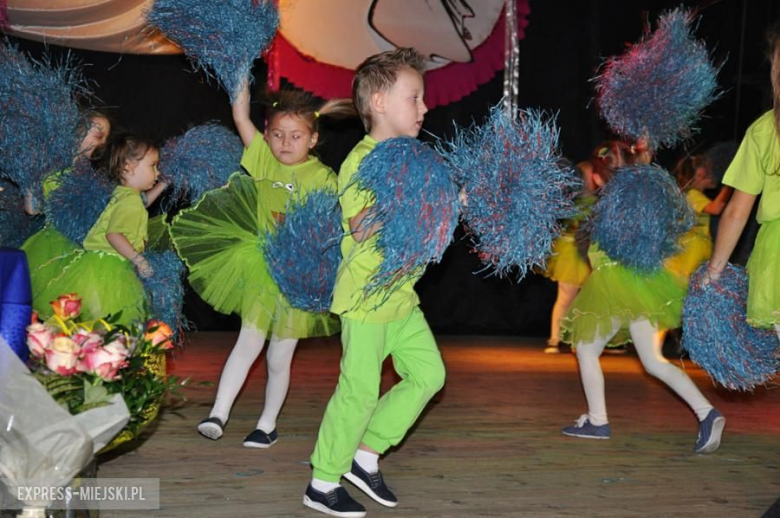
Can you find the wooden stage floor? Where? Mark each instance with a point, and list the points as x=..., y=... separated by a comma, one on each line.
x=488, y=445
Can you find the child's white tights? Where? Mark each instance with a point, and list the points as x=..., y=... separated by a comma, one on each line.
x=648, y=342
x=244, y=354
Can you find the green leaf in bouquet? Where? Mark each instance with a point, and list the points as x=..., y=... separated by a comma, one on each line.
x=95, y=393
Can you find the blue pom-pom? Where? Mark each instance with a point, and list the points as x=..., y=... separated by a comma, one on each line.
x=40, y=120
x=517, y=186
x=658, y=88
x=81, y=196
x=165, y=289
x=15, y=224
x=640, y=217
x=222, y=40
x=719, y=339
x=303, y=252
x=200, y=160
x=416, y=204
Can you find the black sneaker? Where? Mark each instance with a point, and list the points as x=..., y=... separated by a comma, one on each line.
x=260, y=439
x=335, y=503
x=371, y=484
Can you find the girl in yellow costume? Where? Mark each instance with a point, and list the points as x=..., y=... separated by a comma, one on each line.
x=566, y=266
x=103, y=273
x=694, y=175
x=755, y=171
x=220, y=240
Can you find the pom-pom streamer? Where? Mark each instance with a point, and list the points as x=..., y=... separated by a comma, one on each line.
x=81, y=196
x=415, y=202
x=640, y=217
x=15, y=224
x=40, y=119
x=200, y=160
x=303, y=252
x=165, y=289
x=658, y=88
x=719, y=339
x=222, y=40
x=517, y=186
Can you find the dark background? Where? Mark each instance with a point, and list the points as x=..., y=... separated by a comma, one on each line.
x=564, y=45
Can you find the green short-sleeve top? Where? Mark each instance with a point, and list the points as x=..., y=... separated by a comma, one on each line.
x=756, y=167
x=287, y=180
x=125, y=214
x=361, y=260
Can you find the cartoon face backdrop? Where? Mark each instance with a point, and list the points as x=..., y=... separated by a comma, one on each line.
x=319, y=43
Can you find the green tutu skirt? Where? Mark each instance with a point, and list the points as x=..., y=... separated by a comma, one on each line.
x=220, y=240
x=763, y=306
x=106, y=283
x=696, y=249
x=42, y=248
x=616, y=295
x=566, y=264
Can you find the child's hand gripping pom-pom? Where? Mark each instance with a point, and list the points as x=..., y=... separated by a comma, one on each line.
x=303, y=252
x=165, y=288
x=517, y=187
x=200, y=160
x=40, y=121
x=15, y=224
x=222, y=39
x=415, y=203
x=81, y=196
x=719, y=339
x=658, y=88
x=640, y=217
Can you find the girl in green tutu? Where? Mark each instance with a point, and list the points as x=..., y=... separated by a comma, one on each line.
x=755, y=171
x=104, y=273
x=49, y=244
x=220, y=238
x=616, y=298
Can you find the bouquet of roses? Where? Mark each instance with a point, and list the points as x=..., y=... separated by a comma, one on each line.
x=82, y=364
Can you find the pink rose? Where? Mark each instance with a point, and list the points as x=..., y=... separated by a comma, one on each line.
x=88, y=341
x=105, y=362
x=161, y=335
x=39, y=339
x=67, y=306
x=63, y=355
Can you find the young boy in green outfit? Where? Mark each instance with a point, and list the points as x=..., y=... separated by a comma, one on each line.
x=358, y=425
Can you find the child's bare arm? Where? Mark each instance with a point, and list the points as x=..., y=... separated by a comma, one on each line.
x=356, y=226
x=155, y=192
x=732, y=222
x=125, y=249
x=716, y=206
x=246, y=128
x=30, y=207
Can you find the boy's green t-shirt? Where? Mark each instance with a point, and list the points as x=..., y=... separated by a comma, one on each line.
x=287, y=180
x=756, y=167
x=125, y=214
x=359, y=261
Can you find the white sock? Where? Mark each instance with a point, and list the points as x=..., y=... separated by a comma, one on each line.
x=367, y=460
x=323, y=486
x=278, y=359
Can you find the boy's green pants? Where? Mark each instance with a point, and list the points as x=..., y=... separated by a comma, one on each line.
x=355, y=413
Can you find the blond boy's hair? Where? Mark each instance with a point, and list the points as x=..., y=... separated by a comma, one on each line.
x=378, y=73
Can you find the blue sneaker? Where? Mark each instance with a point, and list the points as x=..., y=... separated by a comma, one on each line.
x=584, y=429
x=260, y=439
x=710, y=431
x=334, y=503
x=372, y=484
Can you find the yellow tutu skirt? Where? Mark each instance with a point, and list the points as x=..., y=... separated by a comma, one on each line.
x=566, y=264
x=696, y=249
